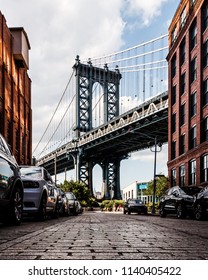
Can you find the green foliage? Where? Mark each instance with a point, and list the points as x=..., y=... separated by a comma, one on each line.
x=80, y=190
x=161, y=186
x=109, y=204
x=150, y=204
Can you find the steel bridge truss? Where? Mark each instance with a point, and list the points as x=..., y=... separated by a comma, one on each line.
x=86, y=76
x=112, y=142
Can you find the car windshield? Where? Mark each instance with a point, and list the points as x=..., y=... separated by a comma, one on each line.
x=136, y=201
x=34, y=172
x=69, y=196
x=182, y=192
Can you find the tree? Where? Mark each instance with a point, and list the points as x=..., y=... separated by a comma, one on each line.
x=79, y=189
x=161, y=186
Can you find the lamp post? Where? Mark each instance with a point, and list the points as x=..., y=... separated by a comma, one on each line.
x=155, y=150
x=74, y=154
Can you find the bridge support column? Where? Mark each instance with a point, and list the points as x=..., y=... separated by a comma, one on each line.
x=84, y=169
x=111, y=179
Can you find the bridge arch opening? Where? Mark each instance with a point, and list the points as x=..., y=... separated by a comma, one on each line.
x=97, y=105
x=97, y=182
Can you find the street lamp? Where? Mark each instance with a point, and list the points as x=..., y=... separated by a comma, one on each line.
x=155, y=150
x=74, y=154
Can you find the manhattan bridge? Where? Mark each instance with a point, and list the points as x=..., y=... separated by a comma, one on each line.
x=112, y=106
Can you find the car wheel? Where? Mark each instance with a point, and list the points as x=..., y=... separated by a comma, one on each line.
x=62, y=210
x=180, y=211
x=124, y=211
x=42, y=209
x=162, y=212
x=68, y=212
x=198, y=213
x=55, y=214
x=16, y=208
x=129, y=212
x=145, y=212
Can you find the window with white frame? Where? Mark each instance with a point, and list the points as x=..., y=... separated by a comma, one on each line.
x=192, y=171
x=205, y=168
x=173, y=175
x=183, y=17
x=182, y=173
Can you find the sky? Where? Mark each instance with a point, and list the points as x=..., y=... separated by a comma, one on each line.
x=58, y=30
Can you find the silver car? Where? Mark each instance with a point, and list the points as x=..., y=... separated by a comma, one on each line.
x=11, y=187
x=40, y=192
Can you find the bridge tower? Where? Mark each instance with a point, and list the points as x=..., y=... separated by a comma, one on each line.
x=86, y=76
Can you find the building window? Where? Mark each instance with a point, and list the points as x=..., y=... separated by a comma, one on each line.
x=173, y=66
x=205, y=54
x=173, y=150
x=192, y=138
x=205, y=16
x=173, y=95
x=193, y=70
x=173, y=35
x=193, y=104
x=193, y=35
x=173, y=177
x=182, y=144
x=183, y=51
x=173, y=122
x=183, y=114
x=182, y=175
x=183, y=83
x=204, y=131
x=205, y=92
x=192, y=172
x=205, y=168
x=183, y=17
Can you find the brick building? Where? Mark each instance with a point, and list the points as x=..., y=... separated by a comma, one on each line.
x=188, y=94
x=15, y=91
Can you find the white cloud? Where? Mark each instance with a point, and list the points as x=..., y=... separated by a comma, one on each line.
x=148, y=156
x=58, y=31
x=146, y=10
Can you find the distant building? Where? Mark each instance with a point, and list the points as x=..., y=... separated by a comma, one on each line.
x=188, y=94
x=98, y=195
x=15, y=91
x=135, y=190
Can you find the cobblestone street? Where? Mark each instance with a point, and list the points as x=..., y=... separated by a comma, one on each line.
x=98, y=235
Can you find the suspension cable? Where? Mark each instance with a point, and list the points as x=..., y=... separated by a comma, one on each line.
x=54, y=112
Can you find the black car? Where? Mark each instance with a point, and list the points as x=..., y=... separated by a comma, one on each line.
x=176, y=201
x=73, y=203
x=134, y=206
x=201, y=204
x=11, y=187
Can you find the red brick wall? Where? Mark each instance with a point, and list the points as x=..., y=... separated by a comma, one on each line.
x=201, y=148
x=15, y=100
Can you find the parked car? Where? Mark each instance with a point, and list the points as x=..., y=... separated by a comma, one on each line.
x=11, y=187
x=73, y=203
x=80, y=209
x=40, y=192
x=176, y=201
x=63, y=206
x=134, y=206
x=191, y=190
x=201, y=204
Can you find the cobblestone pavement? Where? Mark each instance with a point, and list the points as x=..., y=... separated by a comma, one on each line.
x=99, y=235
